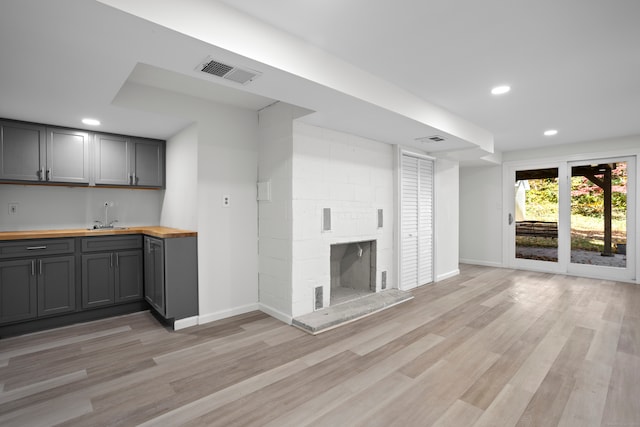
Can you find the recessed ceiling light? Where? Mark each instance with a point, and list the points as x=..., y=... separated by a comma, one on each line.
x=500, y=90
x=550, y=132
x=91, y=122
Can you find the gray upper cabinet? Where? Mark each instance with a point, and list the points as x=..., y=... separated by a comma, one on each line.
x=148, y=163
x=30, y=152
x=22, y=151
x=121, y=160
x=112, y=160
x=43, y=154
x=67, y=156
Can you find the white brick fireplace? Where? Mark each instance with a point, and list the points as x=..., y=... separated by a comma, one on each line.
x=311, y=170
x=352, y=177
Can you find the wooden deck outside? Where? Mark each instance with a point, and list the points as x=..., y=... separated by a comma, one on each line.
x=537, y=229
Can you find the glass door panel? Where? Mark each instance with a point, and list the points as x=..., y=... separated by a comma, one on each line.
x=536, y=214
x=599, y=214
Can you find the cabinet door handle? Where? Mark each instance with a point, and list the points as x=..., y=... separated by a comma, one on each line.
x=33, y=267
x=40, y=264
x=117, y=261
x=111, y=260
x=40, y=174
x=48, y=174
x=136, y=178
x=130, y=179
x=35, y=248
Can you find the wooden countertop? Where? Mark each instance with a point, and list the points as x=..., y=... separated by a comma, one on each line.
x=155, y=231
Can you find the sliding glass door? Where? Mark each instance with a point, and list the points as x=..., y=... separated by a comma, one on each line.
x=572, y=217
x=534, y=240
x=601, y=217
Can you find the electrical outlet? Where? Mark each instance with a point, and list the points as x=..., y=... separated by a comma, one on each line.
x=13, y=208
x=226, y=201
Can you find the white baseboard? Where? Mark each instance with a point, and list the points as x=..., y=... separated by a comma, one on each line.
x=447, y=275
x=276, y=313
x=481, y=262
x=185, y=323
x=223, y=314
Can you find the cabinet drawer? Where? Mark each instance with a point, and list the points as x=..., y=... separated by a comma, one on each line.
x=111, y=243
x=34, y=248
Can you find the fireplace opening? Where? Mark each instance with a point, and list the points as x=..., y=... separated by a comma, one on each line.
x=353, y=271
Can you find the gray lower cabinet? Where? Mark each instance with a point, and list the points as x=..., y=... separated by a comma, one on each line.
x=97, y=280
x=154, y=273
x=128, y=276
x=171, y=276
x=18, y=290
x=111, y=277
x=37, y=278
x=56, y=285
x=35, y=287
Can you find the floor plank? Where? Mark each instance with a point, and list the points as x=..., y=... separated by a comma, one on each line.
x=487, y=347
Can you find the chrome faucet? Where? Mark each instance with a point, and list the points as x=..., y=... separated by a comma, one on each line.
x=105, y=224
x=106, y=214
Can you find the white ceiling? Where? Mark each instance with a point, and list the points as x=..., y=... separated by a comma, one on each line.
x=573, y=65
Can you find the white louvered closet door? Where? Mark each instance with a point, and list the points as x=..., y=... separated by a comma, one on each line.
x=417, y=222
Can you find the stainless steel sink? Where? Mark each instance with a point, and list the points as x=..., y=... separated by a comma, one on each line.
x=107, y=228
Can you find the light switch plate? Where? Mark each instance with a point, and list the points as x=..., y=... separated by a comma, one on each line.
x=13, y=208
x=264, y=191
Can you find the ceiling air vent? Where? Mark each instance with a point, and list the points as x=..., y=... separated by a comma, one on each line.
x=431, y=139
x=227, y=72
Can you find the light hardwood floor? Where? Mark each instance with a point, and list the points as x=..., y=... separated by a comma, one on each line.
x=491, y=347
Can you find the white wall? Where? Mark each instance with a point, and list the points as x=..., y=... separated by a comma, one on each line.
x=53, y=207
x=352, y=176
x=481, y=215
x=275, y=219
x=227, y=237
x=446, y=182
x=226, y=164
x=181, y=193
